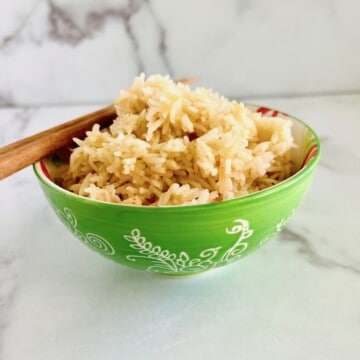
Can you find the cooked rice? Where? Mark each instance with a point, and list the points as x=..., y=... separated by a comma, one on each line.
x=171, y=145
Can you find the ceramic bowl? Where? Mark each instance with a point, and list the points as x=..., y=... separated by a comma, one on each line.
x=185, y=240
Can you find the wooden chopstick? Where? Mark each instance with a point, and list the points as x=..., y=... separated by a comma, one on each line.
x=18, y=155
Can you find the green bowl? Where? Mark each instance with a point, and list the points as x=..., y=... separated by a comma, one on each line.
x=185, y=240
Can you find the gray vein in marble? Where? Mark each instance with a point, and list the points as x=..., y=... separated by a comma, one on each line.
x=163, y=49
x=63, y=28
x=6, y=99
x=12, y=37
x=305, y=248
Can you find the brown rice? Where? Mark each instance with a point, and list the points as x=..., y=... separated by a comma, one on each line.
x=171, y=145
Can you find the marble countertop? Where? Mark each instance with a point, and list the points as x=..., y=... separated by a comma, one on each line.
x=298, y=297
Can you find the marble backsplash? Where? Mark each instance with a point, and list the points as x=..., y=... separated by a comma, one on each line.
x=84, y=51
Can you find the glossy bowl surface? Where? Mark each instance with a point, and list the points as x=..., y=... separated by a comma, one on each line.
x=185, y=240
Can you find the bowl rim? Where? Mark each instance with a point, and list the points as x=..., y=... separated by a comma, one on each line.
x=305, y=170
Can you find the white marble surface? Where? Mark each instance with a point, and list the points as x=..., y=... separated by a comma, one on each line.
x=83, y=51
x=296, y=298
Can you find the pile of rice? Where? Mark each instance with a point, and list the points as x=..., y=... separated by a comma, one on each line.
x=171, y=145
